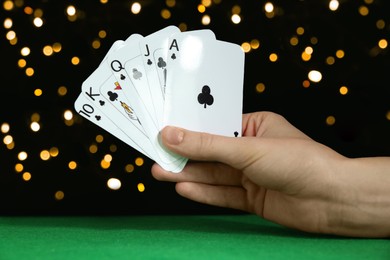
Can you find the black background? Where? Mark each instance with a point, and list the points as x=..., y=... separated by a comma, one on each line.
x=361, y=127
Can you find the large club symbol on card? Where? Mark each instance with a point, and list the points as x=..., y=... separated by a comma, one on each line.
x=205, y=98
x=205, y=79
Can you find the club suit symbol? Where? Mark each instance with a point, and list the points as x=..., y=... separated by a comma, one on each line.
x=113, y=96
x=205, y=98
x=137, y=74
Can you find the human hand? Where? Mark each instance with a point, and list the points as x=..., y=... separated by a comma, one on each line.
x=274, y=171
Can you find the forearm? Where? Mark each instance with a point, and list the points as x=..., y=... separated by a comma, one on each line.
x=363, y=206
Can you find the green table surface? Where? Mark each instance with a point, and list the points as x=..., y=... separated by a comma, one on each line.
x=173, y=237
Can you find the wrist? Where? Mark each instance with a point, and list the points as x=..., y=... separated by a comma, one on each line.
x=360, y=205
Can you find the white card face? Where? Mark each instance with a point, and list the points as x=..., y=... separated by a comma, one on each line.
x=88, y=110
x=90, y=89
x=135, y=76
x=116, y=45
x=205, y=86
x=111, y=91
x=155, y=65
x=127, y=66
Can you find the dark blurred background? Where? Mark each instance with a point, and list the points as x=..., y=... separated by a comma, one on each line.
x=54, y=162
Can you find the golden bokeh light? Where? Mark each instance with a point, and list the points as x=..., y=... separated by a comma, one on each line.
x=19, y=167
x=380, y=24
x=170, y=3
x=22, y=155
x=334, y=5
x=25, y=51
x=99, y=138
x=343, y=90
x=62, y=90
x=72, y=165
x=388, y=115
x=330, y=60
x=8, y=5
x=255, y=44
x=96, y=44
x=363, y=10
x=141, y=187
x=305, y=56
x=165, y=14
x=93, y=148
x=5, y=127
x=105, y=164
x=54, y=151
x=38, y=22
x=75, y=60
x=11, y=35
x=206, y=19
x=382, y=43
x=30, y=72
x=114, y=184
x=102, y=34
x=8, y=139
x=340, y=54
x=59, y=195
x=273, y=57
x=45, y=155
x=7, y=23
x=330, y=120
x=35, y=126
x=38, y=92
x=306, y=83
x=22, y=63
x=260, y=87
x=57, y=47
x=201, y=8
x=107, y=157
x=300, y=30
x=26, y=176
x=129, y=168
x=48, y=50
x=294, y=41
x=236, y=18
x=71, y=10
x=136, y=8
x=246, y=47
x=139, y=161
x=68, y=114
x=113, y=148
x=314, y=76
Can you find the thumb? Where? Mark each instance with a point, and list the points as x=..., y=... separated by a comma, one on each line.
x=207, y=147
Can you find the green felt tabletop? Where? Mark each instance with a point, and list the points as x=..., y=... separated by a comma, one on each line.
x=173, y=237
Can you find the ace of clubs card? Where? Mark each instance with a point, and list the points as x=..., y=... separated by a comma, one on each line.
x=205, y=80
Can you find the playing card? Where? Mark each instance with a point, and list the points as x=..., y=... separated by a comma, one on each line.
x=154, y=63
x=204, y=85
x=90, y=89
x=127, y=67
x=88, y=110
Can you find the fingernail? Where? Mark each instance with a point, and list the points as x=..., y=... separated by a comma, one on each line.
x=174, y=135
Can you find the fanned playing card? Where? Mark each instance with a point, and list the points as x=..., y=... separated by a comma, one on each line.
x=205, y=85
x=127, y=66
